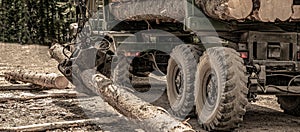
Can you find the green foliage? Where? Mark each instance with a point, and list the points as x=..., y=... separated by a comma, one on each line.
x=35, y=21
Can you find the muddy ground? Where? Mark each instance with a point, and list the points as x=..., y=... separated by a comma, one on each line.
x=263, y=115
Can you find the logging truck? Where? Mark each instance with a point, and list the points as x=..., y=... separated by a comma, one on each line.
x=216, y=55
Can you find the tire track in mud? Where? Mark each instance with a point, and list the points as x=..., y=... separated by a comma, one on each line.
x=260, y=118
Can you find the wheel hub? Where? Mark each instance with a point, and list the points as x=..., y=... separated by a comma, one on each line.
x=178, y=81
x=211, y=90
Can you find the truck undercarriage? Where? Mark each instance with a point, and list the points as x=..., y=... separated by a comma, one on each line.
x=216, y=66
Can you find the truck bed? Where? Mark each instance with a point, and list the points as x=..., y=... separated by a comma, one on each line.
x=224, y=10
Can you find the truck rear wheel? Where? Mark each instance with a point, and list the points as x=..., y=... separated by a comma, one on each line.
x=290, y=104
x=180, y=79
x=221, y=89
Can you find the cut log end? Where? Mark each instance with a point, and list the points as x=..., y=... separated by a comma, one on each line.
x=61, y=82
x=296, y=14
x=240, y=9
x=272, y=10
x=226, y=9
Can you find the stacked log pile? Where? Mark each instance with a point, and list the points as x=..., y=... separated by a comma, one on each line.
x=273, y=10
x=227, y=10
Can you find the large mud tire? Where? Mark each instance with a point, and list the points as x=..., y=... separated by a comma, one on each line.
x=180, y=79
x=220, y=89
x=290, y=104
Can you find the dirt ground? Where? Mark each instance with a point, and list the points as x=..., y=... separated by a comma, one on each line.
x=263, y=115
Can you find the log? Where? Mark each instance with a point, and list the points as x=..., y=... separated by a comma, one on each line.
x=272, y=10
x=154, y=118
x=45, y=80
x=51, y=126
x=296, y=14
x=226, y=9
x=168, y=10
x=150, y=10
x=151, y=117
x=57, y=52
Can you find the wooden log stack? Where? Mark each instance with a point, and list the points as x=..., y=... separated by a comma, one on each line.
x=273, y=10
x=226, y=10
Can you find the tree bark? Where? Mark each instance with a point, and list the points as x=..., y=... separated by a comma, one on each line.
x=150, y=10
x=45, y=80
x=151, y=117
